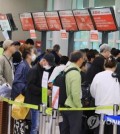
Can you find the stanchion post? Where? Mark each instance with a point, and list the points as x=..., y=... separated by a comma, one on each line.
x=9, y=118
x=102, y=123
x=115, y=113
x=40, y=119
x=44, y=118
x=54, y=121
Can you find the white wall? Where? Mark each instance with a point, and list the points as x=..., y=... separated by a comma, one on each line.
x=19, y=6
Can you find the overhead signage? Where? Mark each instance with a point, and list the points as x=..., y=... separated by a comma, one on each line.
x=40, y=21
x=104, y=19
x=53, y=21
x=68, y=20
x=26, y=21
x=83, y=20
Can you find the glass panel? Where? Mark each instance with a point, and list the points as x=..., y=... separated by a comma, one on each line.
x=80, y=45
x=79, y=4
x=49, y=44
x=104, y=3
x=95, y=45
x=86, y=3
x=111, y=44
x=110, y=35
x=82, y=35
x=119, y=46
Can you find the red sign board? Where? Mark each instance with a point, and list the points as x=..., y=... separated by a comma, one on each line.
x=33, y=34
x=40, y=21
x=27, y=21
x=53, y=21
x=94, y=35
x=83, y=20
x=64, y=34
x=104, y=19
x=68, y=20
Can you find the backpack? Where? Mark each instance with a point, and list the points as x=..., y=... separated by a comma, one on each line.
x=60, y=82
x=87, y=99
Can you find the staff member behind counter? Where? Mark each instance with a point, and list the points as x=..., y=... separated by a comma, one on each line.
x=34, y=88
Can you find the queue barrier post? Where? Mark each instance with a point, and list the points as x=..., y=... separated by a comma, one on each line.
x=44, y=107
x=57, y=118
x=102, y=124
x=115, y=113
x=9, y=118
x=54, y=121
x=40, y=120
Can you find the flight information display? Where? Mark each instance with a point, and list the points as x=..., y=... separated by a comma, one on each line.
x=68, y=20
x=83, y=20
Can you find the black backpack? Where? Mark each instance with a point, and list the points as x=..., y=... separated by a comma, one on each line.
x=87, y=99
x=60, y=82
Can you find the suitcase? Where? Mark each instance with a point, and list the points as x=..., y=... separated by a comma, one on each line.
x=22, y=127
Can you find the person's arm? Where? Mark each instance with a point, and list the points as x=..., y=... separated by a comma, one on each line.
x=31, y=79
x=54, y=74
x=2, y=67
x=75, y=79
x=19, y=83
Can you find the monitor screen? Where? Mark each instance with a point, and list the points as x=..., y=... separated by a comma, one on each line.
x=26, y=21
x=5, y=25
x=53, y=21
x=83, y=20
x=68, y=20
x=40, y=21
x=11, y=21
x=104, y=19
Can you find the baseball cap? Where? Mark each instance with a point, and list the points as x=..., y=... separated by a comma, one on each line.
x=50, y=59
x=7, y=43
x=105, y=47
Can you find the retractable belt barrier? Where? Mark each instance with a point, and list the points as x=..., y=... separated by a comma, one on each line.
x=49, y=110
x=44, y=112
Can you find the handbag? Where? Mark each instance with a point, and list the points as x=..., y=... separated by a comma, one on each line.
x=19, y=112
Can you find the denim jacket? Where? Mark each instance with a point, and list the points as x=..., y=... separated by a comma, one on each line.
x=20, y=81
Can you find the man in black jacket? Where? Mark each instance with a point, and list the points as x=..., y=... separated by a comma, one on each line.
x=34, y=88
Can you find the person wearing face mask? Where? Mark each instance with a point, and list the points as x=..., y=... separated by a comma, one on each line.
x=72, y=119
x=34, y=87
x=20, y=81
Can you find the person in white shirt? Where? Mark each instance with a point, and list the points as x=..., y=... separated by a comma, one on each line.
x=106, y=90
x=58, y=69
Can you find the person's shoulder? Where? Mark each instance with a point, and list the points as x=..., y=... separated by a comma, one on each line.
x=61, y=67
x=100, y=74
x=37, y=67
x=2, y=58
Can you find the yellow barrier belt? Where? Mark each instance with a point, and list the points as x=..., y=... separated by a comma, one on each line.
x=49, y=110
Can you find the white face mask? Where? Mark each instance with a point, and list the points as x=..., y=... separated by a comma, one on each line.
x=33, y=57
x=47, y=67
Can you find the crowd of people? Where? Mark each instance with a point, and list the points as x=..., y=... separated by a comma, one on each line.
x=23, y=69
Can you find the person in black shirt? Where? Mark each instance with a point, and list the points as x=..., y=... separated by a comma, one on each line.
x=34, y=88
x=56, y=53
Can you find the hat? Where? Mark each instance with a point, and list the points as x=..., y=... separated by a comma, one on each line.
x=50, y=59
x=105, y=47
x=7, y=43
